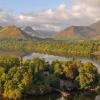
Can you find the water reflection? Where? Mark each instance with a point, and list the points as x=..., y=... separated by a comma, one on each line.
x=55, y=96
x=94, y=59
x=74, y=96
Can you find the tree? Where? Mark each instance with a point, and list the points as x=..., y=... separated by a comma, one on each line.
x=1, y=71
x=57, y=67
x=39, y=64
x=87, y=75
x=71, y=69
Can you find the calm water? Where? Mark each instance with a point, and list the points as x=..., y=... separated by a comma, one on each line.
x=75, y=96
x=78, y=96
x=50, y=58
x=55, y=96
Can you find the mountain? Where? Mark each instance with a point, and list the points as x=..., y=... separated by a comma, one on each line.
x=79, y=32
x=45, y=33
x=0, y=27
x=96, y=26
x=37, y=33
x=30, y=31
x=12, y=32
x=75, y=32
x=33, y=33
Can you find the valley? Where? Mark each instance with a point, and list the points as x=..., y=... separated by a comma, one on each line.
x=27, y=55
x=49, y=49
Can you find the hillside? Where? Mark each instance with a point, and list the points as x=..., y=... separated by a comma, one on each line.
x=75, y=32
x=45, y=33
x=79, y=32
x=29, y=30
x=37, y=33
x=12, y=32
x=0, y=27
x=96, y=26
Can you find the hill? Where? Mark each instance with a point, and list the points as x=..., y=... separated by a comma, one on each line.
x=96, y=26
x=79, y=32
x=0, y=27
x=29, y=30
x=12, y=32
x=37, y=33
x=75, y=32
x=45, y=33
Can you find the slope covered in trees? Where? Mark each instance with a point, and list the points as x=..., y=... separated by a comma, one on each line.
x=19, y=77
x=62, y=48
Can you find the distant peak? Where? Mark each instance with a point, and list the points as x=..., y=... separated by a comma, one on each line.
x=29, y=29
x=12, y=26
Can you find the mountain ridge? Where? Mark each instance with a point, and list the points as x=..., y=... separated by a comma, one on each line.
x=13, y=32
x=79, y=32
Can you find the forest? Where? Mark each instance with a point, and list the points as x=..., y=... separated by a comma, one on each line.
x=19, y=77
x=63, y=48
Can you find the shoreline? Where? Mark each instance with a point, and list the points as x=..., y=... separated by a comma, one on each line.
x=96, y=53
x=59, y=91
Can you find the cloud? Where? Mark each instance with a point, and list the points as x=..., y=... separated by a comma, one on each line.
x=51, y=19
x=6, y=17
x=92, y=3
x=87, y=8
x=82, y=12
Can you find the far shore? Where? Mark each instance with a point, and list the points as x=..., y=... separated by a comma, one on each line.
x=97, y=53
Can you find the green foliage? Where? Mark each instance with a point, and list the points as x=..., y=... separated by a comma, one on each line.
x=8, y=62
x=87, y=75
x=31, y=75
x=1, y=71
x=52, y=80
x=82, y=47
x=39, y=64
x=57, y=67
x=71, y=70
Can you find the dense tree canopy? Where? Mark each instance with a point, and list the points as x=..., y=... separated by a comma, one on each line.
x=24, y=76
x=82, y=47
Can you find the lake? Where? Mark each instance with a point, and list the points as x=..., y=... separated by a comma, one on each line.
x=75, y=96
x=50, y=58
x=56, y=96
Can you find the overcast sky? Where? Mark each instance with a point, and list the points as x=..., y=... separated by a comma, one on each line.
x=49, y=14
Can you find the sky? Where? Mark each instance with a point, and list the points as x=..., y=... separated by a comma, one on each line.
x=49, y=14
x=31, y=5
